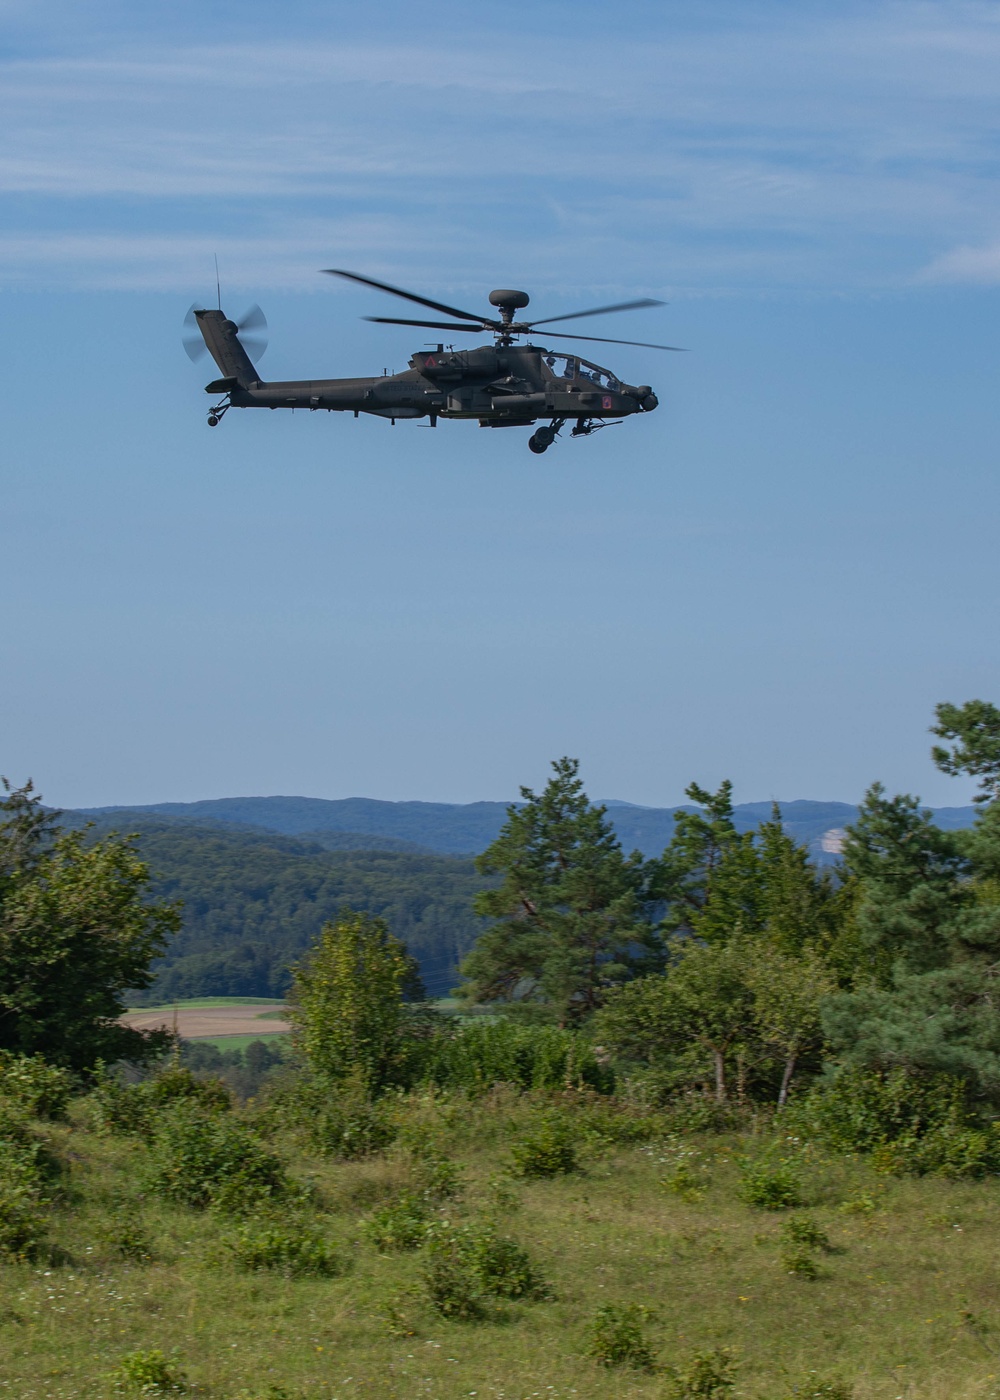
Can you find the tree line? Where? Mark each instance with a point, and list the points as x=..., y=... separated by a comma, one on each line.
x=729, y=966
x=732, y=963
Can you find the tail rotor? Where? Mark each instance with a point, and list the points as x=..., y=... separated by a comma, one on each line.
x=251, y=328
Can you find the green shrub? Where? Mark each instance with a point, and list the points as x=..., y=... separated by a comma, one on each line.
x=503, y=1266
x=912, y=1124
x=23, y=1224
x=335, y=1119
x=149, y=1373
x=118, y=1107
x=708, y=1375
x=482, y=1054
x=770, y=1186
x=27, y=1170
x=204, y=1160
x=436, y=1177
x=451, y=1283
x=464, y=1266
x=802, y=1231
x=399, y=1226
x=546, y=1150
x=616, y=1336
x=29, y=1083
x=287, y=1246
x=801, y=1262
x=685, y=1182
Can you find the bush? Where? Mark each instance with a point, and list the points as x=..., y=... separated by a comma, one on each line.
x=685, y=1182
x=335, y=1119
x=547, y=1150
x=399, y=1226
x=802, y=1231
x=32, y=1085
x=799, y=1261
x=616, y=1336
x=22, y=1222
x=452, y=1285
x=770, y=1186
x=26, y=1169
x=911, y=1124
x=203, y=1160
x=150, y=1373
x=288, y=1246
x=435, y=1176
x=503, y=1266
x=466, y=1266
x=482, y=1054
x=117, y=1107
x=708, y=1375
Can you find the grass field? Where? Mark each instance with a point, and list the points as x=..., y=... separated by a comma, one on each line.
x=905, y=1304
x=210, y=1001
x=240, y=1042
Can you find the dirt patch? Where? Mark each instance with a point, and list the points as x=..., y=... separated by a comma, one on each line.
x=194, y=1022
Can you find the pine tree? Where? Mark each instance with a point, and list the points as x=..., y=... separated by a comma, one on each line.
x=569, y=913
x=913, y=881
x=974, y=729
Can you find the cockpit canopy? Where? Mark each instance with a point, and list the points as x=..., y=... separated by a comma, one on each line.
x=573, y=367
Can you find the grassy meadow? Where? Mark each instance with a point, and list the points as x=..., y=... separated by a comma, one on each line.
x=900, y=1299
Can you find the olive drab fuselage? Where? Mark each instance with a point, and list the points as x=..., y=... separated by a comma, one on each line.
x=497, y=385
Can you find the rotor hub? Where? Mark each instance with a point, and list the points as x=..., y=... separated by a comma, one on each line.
x=508, y=302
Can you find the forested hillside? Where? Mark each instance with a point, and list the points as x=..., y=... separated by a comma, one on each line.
x=253, y=901
x=258, y=877
x=467, y=829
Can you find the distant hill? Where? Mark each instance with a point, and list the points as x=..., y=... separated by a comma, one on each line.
x=258, y=876
x=465, y=829
x=255, y=900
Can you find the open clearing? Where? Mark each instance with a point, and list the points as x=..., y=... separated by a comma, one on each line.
x=904, y=1305
x=205, y=1022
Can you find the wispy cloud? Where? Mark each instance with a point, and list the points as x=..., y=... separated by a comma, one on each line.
x=749, y=146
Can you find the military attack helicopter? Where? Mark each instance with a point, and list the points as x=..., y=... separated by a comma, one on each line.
x=503, y=385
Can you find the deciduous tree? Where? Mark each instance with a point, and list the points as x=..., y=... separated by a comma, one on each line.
x=347, y=1000
x=76, y=933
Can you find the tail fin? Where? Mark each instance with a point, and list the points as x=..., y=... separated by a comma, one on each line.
x=223, y=343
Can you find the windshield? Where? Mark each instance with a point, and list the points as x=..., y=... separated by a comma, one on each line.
x=562, y=366
x=572, y=367
x=596, y=375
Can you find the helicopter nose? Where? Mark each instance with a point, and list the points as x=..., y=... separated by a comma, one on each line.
x=647, y=399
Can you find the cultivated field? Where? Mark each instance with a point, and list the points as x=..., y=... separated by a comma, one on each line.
x=204, y=1020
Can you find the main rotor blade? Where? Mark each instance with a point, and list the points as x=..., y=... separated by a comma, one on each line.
x=601, y=311
x=431, y=325
x=408, y=296
x=644, y=344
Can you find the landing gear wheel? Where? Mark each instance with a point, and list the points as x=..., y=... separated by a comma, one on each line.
x=543, y=438
x=213, y=422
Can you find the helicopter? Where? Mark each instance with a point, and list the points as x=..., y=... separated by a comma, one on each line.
x=503, y=385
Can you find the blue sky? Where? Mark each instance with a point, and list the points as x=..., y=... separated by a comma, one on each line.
x=773, y=578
